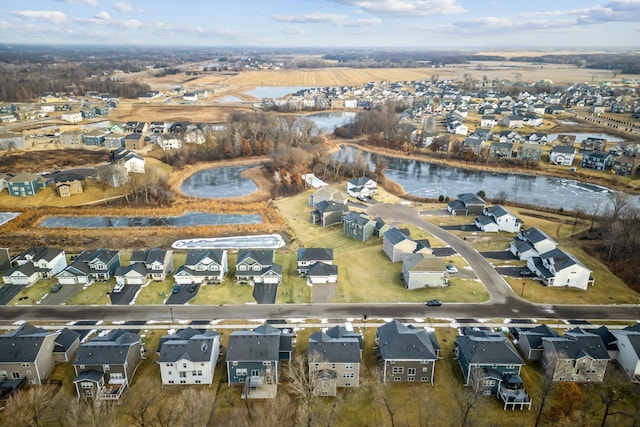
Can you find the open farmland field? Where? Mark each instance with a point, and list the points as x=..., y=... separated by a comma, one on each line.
x=175, y=113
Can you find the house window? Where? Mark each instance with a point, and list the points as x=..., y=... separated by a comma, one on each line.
x=398, y=369
x=348, y=366
x=257, y=268
x=574, y=378
x=25, y=365
x=488, y=383
x=348, y=375
x=424, y=379
x=32, y=382
x=169, y=364
x=255, y=372
x=397, y=378
x=182, y=374
x=241, y=372
x=425, y=369
x=234, y=363
x=347, y=384
x=86, y=384
x=198, y=382
x=411, y=378
x=561, y=379
x=171, y=382
x=411, y=371
x=3, y=374
x=15, y=375
x=184, y=365
x=106, y=368
x=169, y=373
x=511, y=366
x=591, y=370
x=29, y=373
x=424, y=362
x=183, y=381
x=81, y=367
x=266, y=363
x=242, y=267
x=87, y=393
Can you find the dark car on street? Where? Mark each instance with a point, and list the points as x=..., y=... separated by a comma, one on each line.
x=433, y=303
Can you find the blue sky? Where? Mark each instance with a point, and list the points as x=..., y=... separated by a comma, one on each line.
x=425, y=24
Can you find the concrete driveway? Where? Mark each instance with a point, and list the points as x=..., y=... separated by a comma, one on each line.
x=183, y=296
x=499, y=289
x=8, y=292
x=125, y=296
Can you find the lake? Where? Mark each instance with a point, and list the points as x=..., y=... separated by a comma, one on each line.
x=328, y=121
x=219, y=183
x=187, y=220
x=429, y=180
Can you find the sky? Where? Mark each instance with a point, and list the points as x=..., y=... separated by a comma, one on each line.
x=424, y=24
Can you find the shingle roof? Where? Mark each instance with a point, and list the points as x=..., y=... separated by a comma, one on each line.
x=334, y=350
x=23, y=344
x=111, y=349
x=398, y=341
x=262, y=256
x=534, y=235
x=490, y=349
x=395, y=236
x=321, y=269
x=263, y=343
x=191, y=345
x=194, y=256
x=315, y=254
x=561, y=259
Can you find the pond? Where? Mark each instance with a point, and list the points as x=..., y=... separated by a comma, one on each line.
x=429, y=180
x=187, y=220
x=219, y=183
x=328, y=121
x=228, y=99
x=7, y=216
x=582, y=136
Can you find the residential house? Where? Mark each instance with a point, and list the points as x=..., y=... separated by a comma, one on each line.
x=498, y=150
x=169, y=143
x=578, y=356
x=257, y=266
x=321, y=273
x=68, y=183
x=530, y=341
x=531, y=242
x=26, y=354
x=474, y=145
x=158, y=263
x=597, y=160
x=12, y=141
x=307, y=257
x=423, y=270
x=136, y=127
x=202, y=266
x=105, y=365
x=609, y=340
x=482, y=134
x=361, y=187
x=334, y=360
x=47, y=261
x=537, y=108
x=491, y=365
x=532, y=119
x=559, y=268
x=625, y=165
x=95, y=137
x=26, y=184
x=407, y=353
x=357, y=225
x=554, y=109
x=536, y=138
x=511, y=136
x=328, y=213
x=597, y=109
x=566, y=139
x=66, y=346
x=488, y=121
x=253, y=359
x=132, y=162
x=71, y=139
x=496, y=218
x=512, y=122
x=593, y=144
x=135, y=141
x=628, y=357
x=90, y=266
x=114, y=140
x=189, y=356
x=457, y=128
x=529, y=152
x=326, y=193
x=159, y=127
x=397, y=244
x=71, y=117
x=562, y=155
x=466, y=204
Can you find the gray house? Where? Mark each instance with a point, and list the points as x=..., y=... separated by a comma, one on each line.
x=307, y=257
x=105, y=365
x=597, y=160
x=466, y=204
x=202, y=266
x=158, y=263
x=397, y=244
x=422, y=270
x=407, y=353
x=328, y=213
x=253, y=359
x=530, y=341
x=328, y=194
x=90, y=266
x=257, y=266
x=26, y=354
x=358, y=226
x=334, y=360
x=12, y=140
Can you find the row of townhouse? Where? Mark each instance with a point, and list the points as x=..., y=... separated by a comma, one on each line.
x=104, y=366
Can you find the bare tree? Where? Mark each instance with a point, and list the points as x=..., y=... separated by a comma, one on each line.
x=578, y=212
x=468, y=396
x=594, y=212
x=546, y=386
x=302, y=384
x=82, y=412
x=141, y=402
x=613, y=393
x=29, y=407
x=376, y=389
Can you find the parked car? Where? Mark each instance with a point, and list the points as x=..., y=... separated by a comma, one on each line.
x=55, y=288
x=452, y=268
x=526, y=273
x=192, y=288
x=176, y=289
x=433, y=303
x=118, y=288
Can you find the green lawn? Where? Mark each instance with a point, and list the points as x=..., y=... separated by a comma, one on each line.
x=95, y=293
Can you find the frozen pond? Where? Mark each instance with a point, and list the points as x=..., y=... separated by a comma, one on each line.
x=227, y=99
x=5, y=217
x=263, y=241
x=429, y=180
x=327, y=122
x=582, y=136
x=187, y=220
x=219, y=183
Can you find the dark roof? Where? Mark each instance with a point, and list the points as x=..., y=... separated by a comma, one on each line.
x=263, y=343
x=22, y=344
x=607, y=337
x=322, y=269
x=561, y=259
x=577, y=343
x=534, y=235
x=395, y=236
x=470, y=199
x=329, y=206
x=334, y=349
x=65, y=340
x=68, y=176
x=315, y=254
x=534, y=336
x=398, y=341
x=262, y=256
x=488, y=348
x=149, y=256
x=564, y=149
x=194, y=256
x=91, y=375
x=110, y=349
x=187, y=344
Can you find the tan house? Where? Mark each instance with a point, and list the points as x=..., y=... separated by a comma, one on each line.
x=68, y=184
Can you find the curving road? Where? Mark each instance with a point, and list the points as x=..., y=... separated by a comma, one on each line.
x=499, y=289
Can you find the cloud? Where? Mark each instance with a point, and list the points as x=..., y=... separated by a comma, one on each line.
x=4, y=25
x=361, y=22
x=123, y=6
x=88, y=2
x=292, y=30
x=102, y=15
x=51, y=16
x=406, y=8
x=127, y=23
x=311, y=18
x=612, y=11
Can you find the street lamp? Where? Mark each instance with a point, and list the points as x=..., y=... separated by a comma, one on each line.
x=522, y=293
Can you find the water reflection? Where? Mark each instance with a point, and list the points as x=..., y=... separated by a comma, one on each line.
x=187, y=220
x=429, y=180
x=219, y=183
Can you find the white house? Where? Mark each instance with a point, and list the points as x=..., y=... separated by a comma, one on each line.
x=169, y=143
x=188, y=357
x=628, y=357
x=531, y=242
x=558, y=268
x=457, y=128
x=488, y=121
x=562, y=155
x=496, y=218
x=202, y=266
x=361, y=186
x=71, y=117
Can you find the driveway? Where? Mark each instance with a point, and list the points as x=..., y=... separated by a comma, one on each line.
x=323, y=292
x=65, y=293
x=183, y=296
x=125, y=296
x=499, y=289
x=265, y=293
x=8, y=292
